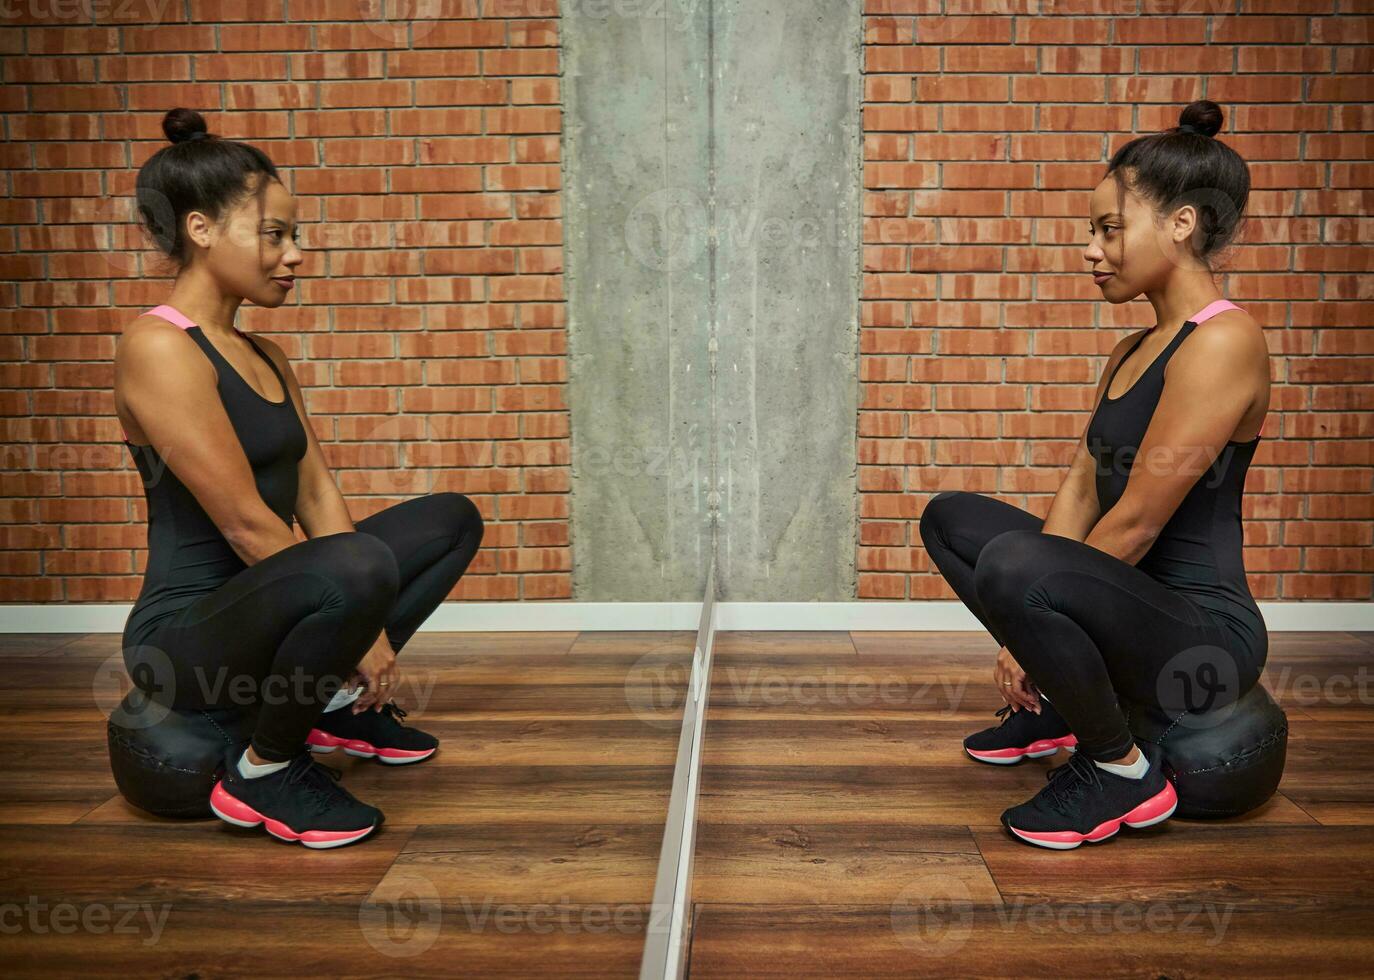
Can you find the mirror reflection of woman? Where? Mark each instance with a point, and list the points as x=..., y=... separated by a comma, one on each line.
x=1134, y=584
x=231, y=600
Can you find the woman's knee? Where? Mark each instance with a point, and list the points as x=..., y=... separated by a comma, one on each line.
x=458, y=513
x=360, y=566
x=1008, y=564
x=940, y=511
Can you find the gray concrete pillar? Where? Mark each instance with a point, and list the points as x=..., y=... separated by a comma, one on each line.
x=712, y=165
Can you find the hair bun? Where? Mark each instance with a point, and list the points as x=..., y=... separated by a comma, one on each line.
x=1203, y=116
x=184, y=126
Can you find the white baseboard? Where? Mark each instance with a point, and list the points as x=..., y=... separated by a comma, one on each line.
x=604, y=616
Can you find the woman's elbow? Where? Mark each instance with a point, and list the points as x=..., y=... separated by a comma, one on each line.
x=255, y=536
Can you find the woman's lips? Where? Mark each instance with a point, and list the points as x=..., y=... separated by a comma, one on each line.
x=1101, y=277
x=284, y=283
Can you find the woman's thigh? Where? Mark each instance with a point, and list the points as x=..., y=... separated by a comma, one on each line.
x=955, y=528
x=1159, y=647
x=963, y=522
x=423, y=530
x=433, y=539
x=323, y=594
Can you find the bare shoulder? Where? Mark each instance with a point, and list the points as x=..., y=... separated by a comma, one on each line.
x=155, y=360
x=1230, y=319
x=151, y=337
x=1222, y=354
x=1232, y=336
x=153, y=325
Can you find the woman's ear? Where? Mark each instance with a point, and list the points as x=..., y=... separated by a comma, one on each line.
x=1185, y=224
x=198, y=228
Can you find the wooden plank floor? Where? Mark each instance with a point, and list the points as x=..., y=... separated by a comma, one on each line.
x=528, y=846
x=842, y=831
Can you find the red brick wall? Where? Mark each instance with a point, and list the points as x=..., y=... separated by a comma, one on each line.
x=982, y=341
x=424, y=154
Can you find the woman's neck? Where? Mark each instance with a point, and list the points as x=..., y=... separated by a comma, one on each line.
x=1179, y=300
x=204, y=303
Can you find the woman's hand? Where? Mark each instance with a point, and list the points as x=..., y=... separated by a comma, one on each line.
x=378, y=670
x=1013, y=684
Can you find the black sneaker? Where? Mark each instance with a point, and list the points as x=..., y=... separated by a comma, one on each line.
x=1084, y=802
x=302, y=802
x=1022, y=735
x=370, y=734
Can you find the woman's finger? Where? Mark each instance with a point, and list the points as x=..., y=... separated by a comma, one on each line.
x=395, y=681
x=1011, y=684
x=386, y=685
x=360, y=702
x=1006, y=686
x=365, y=699
x=997, y=682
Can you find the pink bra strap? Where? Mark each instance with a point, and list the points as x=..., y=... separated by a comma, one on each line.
x=175, y=316
x=1212, y=309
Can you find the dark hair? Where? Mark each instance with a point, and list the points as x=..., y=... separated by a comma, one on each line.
x=198, y=172
x=1187, y=165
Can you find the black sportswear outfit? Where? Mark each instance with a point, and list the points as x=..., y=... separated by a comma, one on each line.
x=208, y=631
x=1178, y=630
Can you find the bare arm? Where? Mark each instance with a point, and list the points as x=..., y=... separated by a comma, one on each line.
x=1073, y=514
x=1209, y=385
x=320, y=506
x=1075, y=511
x=164, y=380
x=321, y=509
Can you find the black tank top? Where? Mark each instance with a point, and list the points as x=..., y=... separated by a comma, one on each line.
x=187, y=554
x=1199, y=550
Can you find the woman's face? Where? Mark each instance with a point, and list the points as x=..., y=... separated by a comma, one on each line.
x=1131, y=248
x=252, y=251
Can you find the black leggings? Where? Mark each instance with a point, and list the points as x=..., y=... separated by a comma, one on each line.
x=285, y=633
x=1084, y=625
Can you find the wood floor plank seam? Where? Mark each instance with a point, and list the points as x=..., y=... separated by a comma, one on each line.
x=410, y=833
x=987, y=867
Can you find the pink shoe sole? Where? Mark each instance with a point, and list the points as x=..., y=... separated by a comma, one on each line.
x=1156, y=809
x=1036, y=750
x=235, y=811
x=324, y=743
